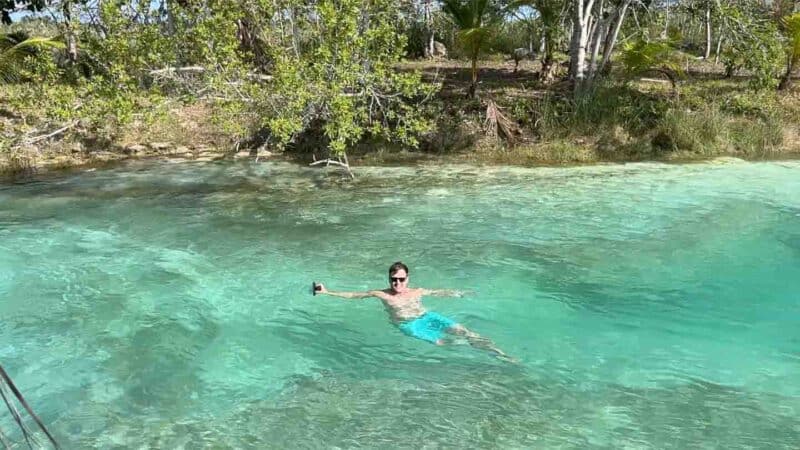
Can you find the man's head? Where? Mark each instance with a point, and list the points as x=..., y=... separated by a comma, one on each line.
x=398, y=277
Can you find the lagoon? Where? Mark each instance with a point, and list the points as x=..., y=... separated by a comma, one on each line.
x=168, y=306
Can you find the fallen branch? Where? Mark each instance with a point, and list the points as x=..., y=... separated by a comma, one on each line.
x=336, y=162
x=36, y=139
x=171, y=70
x=654, y=80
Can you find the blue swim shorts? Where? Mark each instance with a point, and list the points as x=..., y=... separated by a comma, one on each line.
x=428, y=327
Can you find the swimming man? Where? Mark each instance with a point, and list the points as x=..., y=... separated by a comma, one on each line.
x=405, y=309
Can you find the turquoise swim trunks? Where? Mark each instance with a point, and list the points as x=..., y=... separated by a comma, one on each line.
x=428, y=327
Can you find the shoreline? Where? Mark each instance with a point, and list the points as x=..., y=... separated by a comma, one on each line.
x=55, y=166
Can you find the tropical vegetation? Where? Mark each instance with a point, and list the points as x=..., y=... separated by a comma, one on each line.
x=326, y=79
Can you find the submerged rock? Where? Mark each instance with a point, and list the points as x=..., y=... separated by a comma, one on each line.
x=160, y=146
x=134, y=149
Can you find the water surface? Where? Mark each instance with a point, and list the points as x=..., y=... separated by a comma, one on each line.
x=167, y=306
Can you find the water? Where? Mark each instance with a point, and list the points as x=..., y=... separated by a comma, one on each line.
x=168, y=306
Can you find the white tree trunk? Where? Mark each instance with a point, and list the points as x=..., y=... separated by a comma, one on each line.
x=599, y=34
x=707, y=52
x=295, y=32
x=430, y=46
x=580, y=37
x=598, y=23
x=69, y=32
x=613, y=33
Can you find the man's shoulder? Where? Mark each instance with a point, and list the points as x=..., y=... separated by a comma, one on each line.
x=381, y=293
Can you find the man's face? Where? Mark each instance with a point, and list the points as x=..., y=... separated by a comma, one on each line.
x=398, y=281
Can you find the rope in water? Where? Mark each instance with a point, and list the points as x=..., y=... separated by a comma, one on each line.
x=6, y=381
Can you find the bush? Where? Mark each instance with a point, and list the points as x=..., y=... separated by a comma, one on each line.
x=602, y=105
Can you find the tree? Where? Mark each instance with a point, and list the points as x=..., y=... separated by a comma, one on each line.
x=581, y=17
x=791, y=29
x=550, y=12
x=752, y=41
x=612, y=34
x=341, y=83
x=475, y=20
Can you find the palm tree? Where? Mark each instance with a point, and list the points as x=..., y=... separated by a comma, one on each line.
x=549, y=12
x=791, y=27
x=15, y=47
x=475, y=20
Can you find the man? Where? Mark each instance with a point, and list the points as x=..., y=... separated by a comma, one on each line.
x=405, y=309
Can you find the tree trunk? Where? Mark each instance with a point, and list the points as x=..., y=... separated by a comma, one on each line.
x=597, y=37
x=707, y=52
x=546, y=72
x=473, y=87
x=719, y=45
x=295, y=32
x=665, y=33
x=580, y=37
x=613, y=34
x=786, y=80
x=429, y=45
x=69, y=32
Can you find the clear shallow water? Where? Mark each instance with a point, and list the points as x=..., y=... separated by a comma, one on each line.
x=651, y=306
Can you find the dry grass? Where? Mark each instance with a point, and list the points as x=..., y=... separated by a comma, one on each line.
x=190, y=126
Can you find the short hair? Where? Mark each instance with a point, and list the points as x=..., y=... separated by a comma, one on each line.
x=394, y=268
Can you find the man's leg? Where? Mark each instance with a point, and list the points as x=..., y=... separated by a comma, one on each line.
x=475, y=339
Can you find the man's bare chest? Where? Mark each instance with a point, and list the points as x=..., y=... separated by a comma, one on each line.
x=402, y=301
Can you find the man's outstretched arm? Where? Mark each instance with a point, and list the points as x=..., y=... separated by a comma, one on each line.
x=444, y=292
x=352, y=295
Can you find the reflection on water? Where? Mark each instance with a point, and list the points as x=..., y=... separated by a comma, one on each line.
x=167, y=306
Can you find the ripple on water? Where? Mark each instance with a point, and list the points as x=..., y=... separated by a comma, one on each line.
x=167, y=306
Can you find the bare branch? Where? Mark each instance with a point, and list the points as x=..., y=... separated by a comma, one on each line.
x=49, y=135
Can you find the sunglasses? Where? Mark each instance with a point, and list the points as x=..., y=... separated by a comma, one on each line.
x=397, y=279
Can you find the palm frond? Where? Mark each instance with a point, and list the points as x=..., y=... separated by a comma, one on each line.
x=791, y=26
x=640, y=56
x=13, y=54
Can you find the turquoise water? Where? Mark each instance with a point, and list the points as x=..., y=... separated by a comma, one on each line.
x=168, y=306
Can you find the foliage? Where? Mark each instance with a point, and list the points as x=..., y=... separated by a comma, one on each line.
x=475, y=20
x=549, y=12
x=791, y=30
x=640, y=56
x=342, y=80
x=752, y=42
x=289, y=72
x=16, y=48
x=600, y=105
x=414, y=28
x=791, y=26
x=331, y=71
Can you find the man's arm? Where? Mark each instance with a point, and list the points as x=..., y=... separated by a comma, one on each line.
x=352, y=295
x=443, y=292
